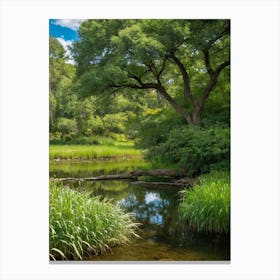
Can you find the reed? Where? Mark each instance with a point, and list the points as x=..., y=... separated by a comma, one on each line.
x=92, y=151
x=206, y=207
x=80, y=225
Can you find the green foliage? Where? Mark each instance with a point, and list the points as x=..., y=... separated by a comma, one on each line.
x=153, y=127
x=115, y=122
x=67, y=127
x=56, y=139
x=198, y=150
x=170, y=56
x=80, y=225
x=61, y=76
x=56, y=50
x=94, y=125
x=206, y=207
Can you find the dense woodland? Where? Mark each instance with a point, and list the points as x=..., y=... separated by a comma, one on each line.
x=165, y=84
x=157, y=89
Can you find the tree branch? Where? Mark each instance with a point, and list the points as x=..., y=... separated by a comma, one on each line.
x=212, y=83
x=174, y=104
x=186, y=81
x=207, y=63
x=221, y=67
x=161, y=90
x=225, y=31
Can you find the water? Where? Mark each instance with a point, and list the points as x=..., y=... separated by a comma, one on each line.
x=163, y=235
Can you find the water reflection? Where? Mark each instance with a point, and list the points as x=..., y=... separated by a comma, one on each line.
x=164, y=235
x=151, y=211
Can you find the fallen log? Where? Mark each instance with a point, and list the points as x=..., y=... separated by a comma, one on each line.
x=121, y=176
x=130, y=175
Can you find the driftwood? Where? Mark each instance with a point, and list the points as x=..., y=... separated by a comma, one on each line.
x=177, y=178
x=131, y=175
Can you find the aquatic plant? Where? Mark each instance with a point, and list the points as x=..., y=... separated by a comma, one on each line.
x=80, y=225
x=206, y=207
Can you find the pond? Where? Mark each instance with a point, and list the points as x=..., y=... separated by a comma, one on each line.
x=163, y=236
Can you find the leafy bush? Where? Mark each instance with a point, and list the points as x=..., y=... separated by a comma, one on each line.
x=153, y=127
x=67, y=127
x=95, y=125
x=114, y=123
x=206, y=207
x=80, y=225
x=83, y=140
x=198, y=150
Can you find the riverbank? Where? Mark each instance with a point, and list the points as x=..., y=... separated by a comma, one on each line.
x=82, y=225
x=164, y=234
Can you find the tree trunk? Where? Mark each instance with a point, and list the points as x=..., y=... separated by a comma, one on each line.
x=196, y=117
x=180, y=110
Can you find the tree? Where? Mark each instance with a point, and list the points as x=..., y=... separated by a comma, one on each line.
x=181, y=60
x=61, y=76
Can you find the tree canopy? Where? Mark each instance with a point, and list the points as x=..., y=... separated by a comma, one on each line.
x=181, y=60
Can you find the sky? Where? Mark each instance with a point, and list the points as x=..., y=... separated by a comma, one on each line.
x=66, y=32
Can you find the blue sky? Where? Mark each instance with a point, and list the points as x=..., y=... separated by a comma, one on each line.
x=66, y=32
x=65, y=28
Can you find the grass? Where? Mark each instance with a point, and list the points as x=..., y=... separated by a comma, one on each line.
x=206, y=207
x=93, y=151
x=80, y=225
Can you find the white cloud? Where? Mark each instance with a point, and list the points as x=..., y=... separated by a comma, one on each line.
x=66, y=45
x=73, y=24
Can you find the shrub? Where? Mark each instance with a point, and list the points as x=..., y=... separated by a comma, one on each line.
x=80, y=225
x=153, y=127
x=67, y=127
x=115, y=123
x=206, y=207
x=95, y=125
x=198, y=150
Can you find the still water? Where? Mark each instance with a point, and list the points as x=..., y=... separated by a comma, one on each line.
x=163, y=235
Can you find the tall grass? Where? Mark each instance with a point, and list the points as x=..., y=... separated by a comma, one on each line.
x=92, y=151
x=80, y=225
x=206, y=207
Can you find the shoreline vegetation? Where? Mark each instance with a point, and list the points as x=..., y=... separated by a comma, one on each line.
x=81, y=225
x=206, y=207
x=87, y=152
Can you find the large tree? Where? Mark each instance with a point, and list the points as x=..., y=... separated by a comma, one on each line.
x=179, y=59
x=61, y=76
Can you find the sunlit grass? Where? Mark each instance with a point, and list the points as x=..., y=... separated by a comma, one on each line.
x=206, y=207
x=92, y=151
x=80, y=225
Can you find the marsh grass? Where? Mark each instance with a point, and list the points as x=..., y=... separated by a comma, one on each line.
x=206, y=207
x=80, y=225
x=93, y=151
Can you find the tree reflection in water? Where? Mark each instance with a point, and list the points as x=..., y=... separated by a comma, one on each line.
x=150, y=209
x=157, y=211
